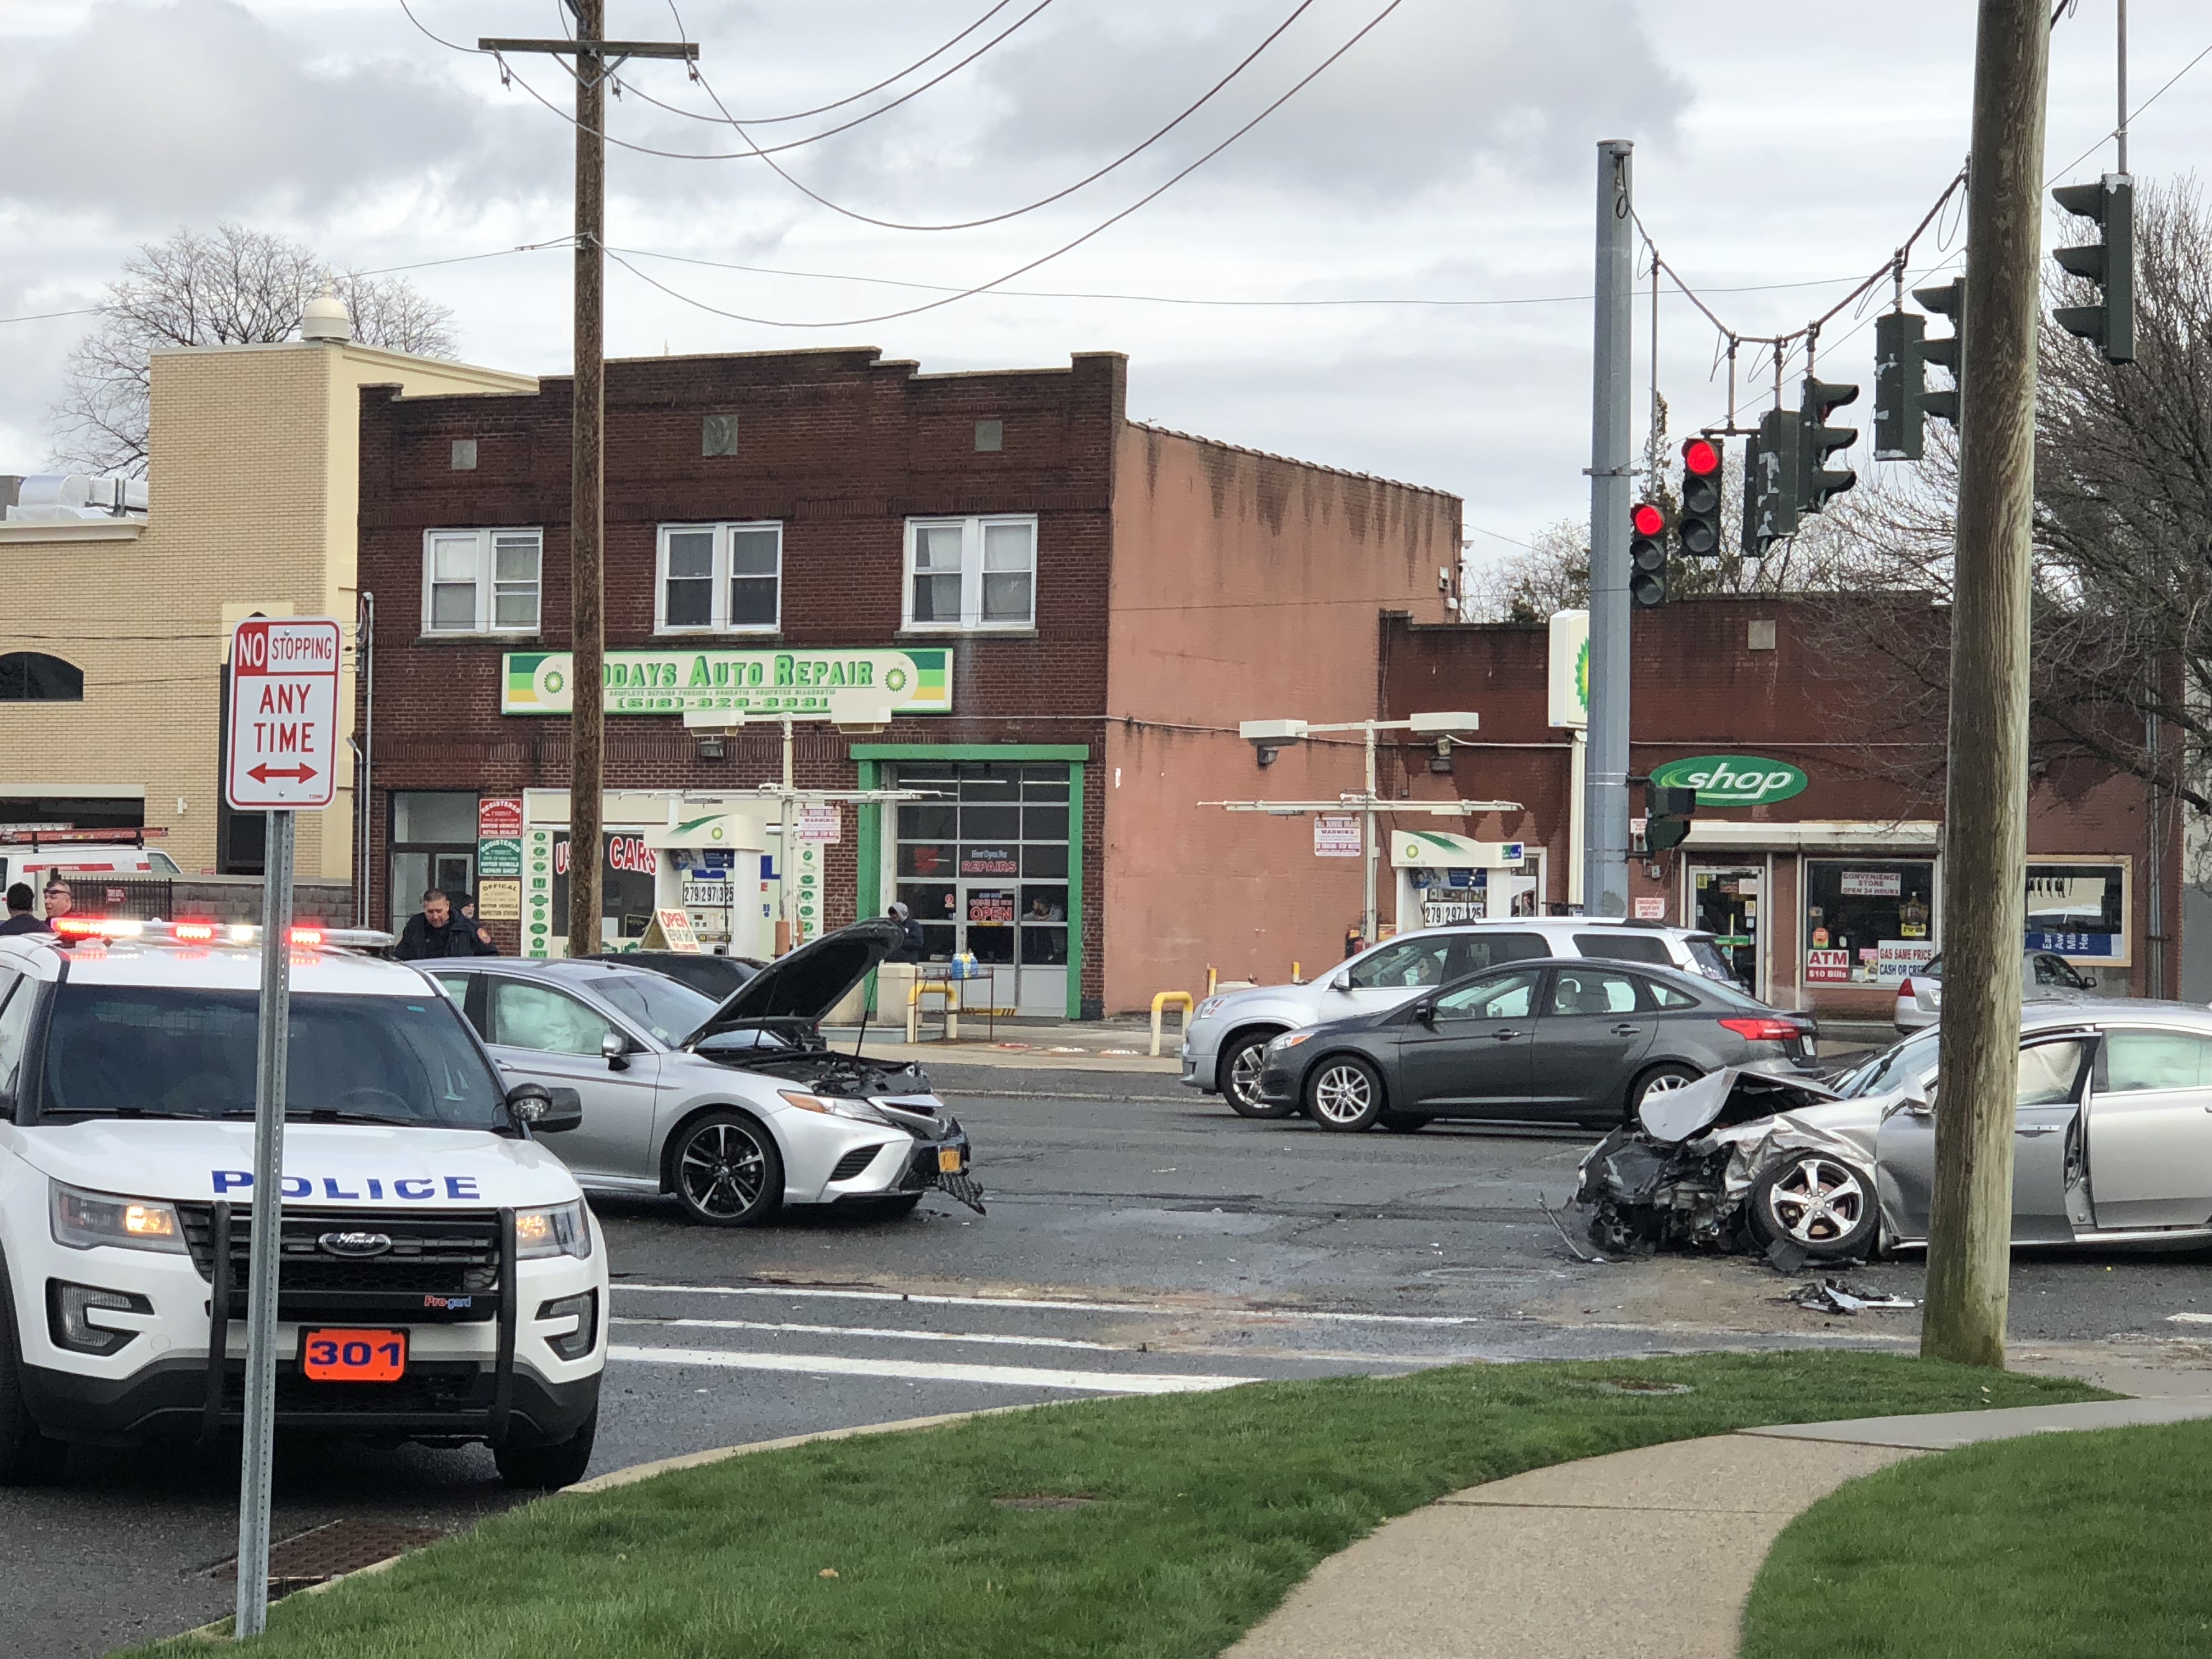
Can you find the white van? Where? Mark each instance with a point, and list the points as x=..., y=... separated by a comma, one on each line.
x=79, y=863
x=441, y=1277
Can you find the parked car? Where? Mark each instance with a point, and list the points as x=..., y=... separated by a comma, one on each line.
x=1570, y=1041
x=2112, y=1144
x=2042, y=978
x=712, y=976
x=737, y=1109
x=1228, y=1034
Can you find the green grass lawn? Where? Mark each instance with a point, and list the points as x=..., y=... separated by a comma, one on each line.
x=2087, y=1546
x=1205, y=1510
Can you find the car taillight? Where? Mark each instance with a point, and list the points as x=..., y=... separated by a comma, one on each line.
x=1905, y=988
x=1753, y=1030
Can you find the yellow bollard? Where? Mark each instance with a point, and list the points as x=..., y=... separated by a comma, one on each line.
x=1296, y=977
x=1181, y=1000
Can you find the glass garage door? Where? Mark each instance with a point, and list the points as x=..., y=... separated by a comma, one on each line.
x=984, y=869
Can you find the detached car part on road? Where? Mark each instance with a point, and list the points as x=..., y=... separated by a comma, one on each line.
x=441, y=1278
x=1229, y=1033
x=1575, y=1041
x=2113, y=1145
x=736, y=1109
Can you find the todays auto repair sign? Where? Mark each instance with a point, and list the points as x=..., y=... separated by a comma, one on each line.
x=283, y=723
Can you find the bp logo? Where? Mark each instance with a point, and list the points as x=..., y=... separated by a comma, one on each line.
x=1731, y=780
x=1582, y=677
x=554, y=679
x=895, y=679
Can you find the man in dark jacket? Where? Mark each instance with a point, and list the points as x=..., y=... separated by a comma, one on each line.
x=437, y=931
x=20, y=919
x=911, y=948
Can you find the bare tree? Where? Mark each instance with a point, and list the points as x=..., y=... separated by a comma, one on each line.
x=234, y=286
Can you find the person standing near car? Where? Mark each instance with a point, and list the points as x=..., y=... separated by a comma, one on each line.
x=912, y=944
x=59, y=899
x=20, y=919
x=436, y=930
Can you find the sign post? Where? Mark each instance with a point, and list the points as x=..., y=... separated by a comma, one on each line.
x=283, y=723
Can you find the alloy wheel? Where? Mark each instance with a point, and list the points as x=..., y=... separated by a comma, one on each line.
x=1343, y=1093
x=1817, y=1202
x=1244, y=1068
x=722, y=1170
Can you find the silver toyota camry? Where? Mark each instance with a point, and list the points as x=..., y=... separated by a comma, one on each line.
x=2112, y=1144
x=737, y=1109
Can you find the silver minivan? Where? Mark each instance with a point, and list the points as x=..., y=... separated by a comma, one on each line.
x=1229, y=1032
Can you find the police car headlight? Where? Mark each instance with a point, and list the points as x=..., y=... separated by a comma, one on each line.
x=84, y=1221
x=834, y=1106
x=557, y=1229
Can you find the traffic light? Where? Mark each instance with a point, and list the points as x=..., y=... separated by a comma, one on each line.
x=1699, y=529
x=1816, y=480
x=2110, y=263
x=1647, y=556
x=1769, y=482
x=1900, y=377
x=1666, y=814
x=1948, y=301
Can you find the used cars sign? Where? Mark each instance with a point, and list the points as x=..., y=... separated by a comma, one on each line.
x=1731, y=780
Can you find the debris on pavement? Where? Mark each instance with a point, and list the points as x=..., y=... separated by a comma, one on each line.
x=1567, y=1238
x=1840, y=1295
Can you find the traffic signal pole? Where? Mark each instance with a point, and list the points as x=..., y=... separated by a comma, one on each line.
x=1605, y=854
x=1985, y=811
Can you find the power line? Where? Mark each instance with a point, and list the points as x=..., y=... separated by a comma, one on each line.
x=2103, y=138
x=888, y=80
x=1142, y=201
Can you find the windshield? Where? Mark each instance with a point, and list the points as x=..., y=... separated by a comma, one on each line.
x=124, y=1050
x=1894, y=1067
x=670, y=1012
x=1711, y=962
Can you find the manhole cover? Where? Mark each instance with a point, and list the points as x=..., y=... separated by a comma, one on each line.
x=1046, y=1501
x=339, y=1546
x=1642, y=1385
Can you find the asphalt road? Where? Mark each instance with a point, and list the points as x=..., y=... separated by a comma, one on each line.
x=1139, y=1240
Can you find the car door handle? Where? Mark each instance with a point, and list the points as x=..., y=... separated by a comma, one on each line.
x=1626, y=1031
x=2042, y=1129
x=1505, y=1033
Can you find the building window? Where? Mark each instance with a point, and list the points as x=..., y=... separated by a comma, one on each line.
x=1867, y=921
x=35, y=677
x=720, y=578
x=481, y=581
x=969, y=574
x=434, y=844
x=2078, y=911
x=465, y=454
x=990, y=437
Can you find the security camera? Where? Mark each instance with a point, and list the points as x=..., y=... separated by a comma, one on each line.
x=1268, y=737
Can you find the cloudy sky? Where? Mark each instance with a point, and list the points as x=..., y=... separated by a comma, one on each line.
x=1782, y=152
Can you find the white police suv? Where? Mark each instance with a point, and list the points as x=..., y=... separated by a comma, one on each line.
x=441, y=1277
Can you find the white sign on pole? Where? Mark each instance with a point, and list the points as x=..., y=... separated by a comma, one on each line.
x=1569, y=687
x=283, y=717
x=1336, y=835
x=821, y=822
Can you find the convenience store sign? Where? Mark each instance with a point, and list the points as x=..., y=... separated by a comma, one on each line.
x=770, y=684
x=1732, y=779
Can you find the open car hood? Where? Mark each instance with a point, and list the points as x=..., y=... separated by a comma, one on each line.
x=1675, y=1115
x=809, y=982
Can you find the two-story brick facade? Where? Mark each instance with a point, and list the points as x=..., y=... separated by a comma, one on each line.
x=1067, y=613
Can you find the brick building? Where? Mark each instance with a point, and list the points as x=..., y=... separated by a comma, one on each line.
x=1817, y=847
x=1064, y=612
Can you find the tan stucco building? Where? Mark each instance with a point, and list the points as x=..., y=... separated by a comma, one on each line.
x=254, y=491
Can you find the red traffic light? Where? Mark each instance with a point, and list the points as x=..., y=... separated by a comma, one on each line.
x=1648, y=520
x=1701, y=458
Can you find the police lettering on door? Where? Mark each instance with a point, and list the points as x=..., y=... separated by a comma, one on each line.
x=454, y=1188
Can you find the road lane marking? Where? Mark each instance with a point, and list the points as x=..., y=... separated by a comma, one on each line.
x=1009, y=1377
x=865, y=1330
x=1293, y=1315
x=2189, y=1319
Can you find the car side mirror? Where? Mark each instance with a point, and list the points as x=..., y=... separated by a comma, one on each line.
x=1425, y=1011
x=1341, y=981
x=546, y=1111
x=614, y=1048
x=1916, y=1105
x=7, y=1105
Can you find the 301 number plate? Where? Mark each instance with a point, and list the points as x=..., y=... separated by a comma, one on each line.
x=348, y=1356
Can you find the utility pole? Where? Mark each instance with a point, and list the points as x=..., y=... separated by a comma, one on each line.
x=1605, y=855
x=1985, y=811
x=596, y=57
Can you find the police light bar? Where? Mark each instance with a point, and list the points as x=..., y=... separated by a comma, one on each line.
x=306, y=938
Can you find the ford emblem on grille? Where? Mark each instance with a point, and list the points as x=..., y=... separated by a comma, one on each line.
x=355, y=1243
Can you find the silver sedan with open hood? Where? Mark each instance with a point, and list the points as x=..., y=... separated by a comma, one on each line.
x=735, y=1109
x=2111, y=1127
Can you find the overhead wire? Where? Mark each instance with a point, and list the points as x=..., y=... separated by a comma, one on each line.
x=865, y=92
x=1069, y=247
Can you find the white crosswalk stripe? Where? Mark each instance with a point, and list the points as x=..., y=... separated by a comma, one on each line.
x=987, y=1339
x=1014, y=1377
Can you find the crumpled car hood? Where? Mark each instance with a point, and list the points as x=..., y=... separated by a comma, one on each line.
x=1738, y=1092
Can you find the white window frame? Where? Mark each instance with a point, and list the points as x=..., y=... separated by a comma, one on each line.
x=485, y=580
x=719, y=613
x=971, y=574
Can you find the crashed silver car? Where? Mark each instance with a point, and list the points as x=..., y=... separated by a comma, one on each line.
x=2114, y=1144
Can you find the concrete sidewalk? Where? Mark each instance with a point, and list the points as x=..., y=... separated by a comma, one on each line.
x=1645, y=1554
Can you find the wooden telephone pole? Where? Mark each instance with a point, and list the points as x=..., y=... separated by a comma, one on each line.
x=596, y=59
x=1985, y=814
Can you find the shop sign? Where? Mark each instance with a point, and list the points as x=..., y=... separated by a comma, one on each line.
x=1436, y=849
x=1336, y=835
x=1651, y=909
x=500, y=857
x=1899, y=959
x=806, y=909
x=991, y=909
x=1732, y=779
x=498, y=816
x=988, y=862
x=2076, y=945
x=1828, y=967
x=1869, y=884
x=671, y=930
x=499, y=898
x=822, y=822
x=623, y=853
x=772, y=683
